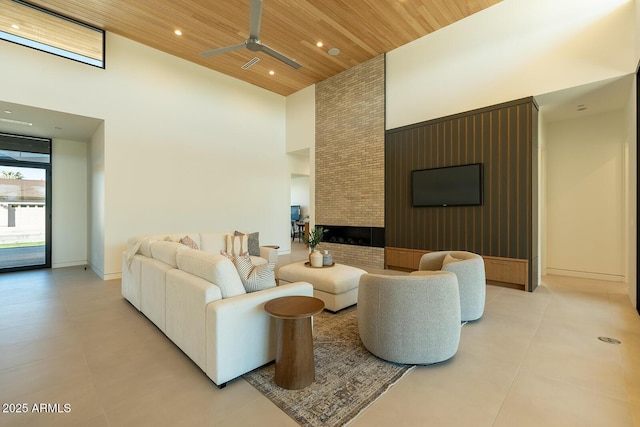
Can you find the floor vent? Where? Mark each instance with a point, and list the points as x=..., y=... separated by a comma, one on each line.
x=609, y=340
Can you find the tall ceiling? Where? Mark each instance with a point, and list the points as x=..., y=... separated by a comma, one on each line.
x=360, y=29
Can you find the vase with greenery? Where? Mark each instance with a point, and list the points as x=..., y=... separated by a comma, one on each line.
x=314, y=239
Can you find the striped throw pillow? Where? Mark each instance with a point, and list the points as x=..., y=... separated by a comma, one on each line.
x=255, y=277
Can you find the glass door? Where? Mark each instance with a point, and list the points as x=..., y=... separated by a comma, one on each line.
x=24, y=217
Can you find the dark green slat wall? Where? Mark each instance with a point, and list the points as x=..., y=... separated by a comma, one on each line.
x=504, y=139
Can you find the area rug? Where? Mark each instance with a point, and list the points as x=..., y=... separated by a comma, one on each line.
x=348, y=377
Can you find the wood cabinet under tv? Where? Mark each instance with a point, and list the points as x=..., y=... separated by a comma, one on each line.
x=403, y=259
x=507, y=272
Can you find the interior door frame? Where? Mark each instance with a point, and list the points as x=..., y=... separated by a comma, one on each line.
x=47, y=207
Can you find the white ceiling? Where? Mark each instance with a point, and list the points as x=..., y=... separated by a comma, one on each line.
x=46, y=123
x=598, y=97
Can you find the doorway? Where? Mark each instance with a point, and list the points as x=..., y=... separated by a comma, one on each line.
x=25, y=206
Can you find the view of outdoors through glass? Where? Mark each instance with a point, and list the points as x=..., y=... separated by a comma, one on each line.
x=22, y=216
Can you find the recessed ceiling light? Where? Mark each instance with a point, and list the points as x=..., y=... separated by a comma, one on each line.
x=319, y=44
x=272, y=72
x=8, y=111
x=15, y=26
x=178, y=32
x=334, y=51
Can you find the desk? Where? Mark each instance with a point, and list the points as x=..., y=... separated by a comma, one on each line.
x=295, y=367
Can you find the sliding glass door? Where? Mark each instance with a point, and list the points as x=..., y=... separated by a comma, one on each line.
x=25, y=201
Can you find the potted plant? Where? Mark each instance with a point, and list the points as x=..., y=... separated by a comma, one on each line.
x=314, y=239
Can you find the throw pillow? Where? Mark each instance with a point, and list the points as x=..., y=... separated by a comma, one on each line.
x=255, y=277
x=253, y=242
x=236, y=245
x=188, y=241
x=448, y=259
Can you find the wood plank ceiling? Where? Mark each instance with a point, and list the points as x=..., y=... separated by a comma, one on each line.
x=361, y=29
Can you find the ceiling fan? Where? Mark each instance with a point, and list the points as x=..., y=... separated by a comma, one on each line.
x=253, y=43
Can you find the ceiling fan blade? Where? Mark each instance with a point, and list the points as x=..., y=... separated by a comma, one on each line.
x=256, y=17
x=279, y=56
x=223, y=49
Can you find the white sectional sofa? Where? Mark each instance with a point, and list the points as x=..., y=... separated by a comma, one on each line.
x=196, y=297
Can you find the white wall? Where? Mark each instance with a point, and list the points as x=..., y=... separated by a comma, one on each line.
x=96, y=197
x=69, y=203
x=301, y=119
x=299, y=162
x=182, y=147
x=301, y=138
x=631, y=191
x=542, y=194
x=585, y=196
x=514, y=49
x=300, y=193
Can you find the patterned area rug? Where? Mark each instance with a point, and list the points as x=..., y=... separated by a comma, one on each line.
x=348, y=377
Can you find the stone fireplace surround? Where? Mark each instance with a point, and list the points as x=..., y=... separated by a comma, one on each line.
x=349, y=159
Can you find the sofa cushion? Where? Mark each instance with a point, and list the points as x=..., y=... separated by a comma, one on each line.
x=215, y=268
x=166, y=251
x=255, y=277
x=253, y=242
x=213, y=242
x=145, y=243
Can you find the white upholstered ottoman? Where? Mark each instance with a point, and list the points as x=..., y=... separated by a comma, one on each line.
x=337, y=286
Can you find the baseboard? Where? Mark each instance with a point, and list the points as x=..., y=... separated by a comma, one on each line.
x=112, y=276
x=101, y=274
x=585, y=275
x=69, y=264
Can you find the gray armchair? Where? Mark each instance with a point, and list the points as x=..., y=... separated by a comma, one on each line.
x=469, y=268
x=410, y=319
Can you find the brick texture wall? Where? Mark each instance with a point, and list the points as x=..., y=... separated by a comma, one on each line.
x=350, y=156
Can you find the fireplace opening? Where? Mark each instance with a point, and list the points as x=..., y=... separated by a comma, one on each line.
x=358, y=236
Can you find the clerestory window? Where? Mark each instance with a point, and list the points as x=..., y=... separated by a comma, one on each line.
x=38, y=28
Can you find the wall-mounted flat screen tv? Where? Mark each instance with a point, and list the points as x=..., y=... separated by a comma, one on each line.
x=447, y=186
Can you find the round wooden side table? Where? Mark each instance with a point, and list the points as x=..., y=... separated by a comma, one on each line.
x=295, y=367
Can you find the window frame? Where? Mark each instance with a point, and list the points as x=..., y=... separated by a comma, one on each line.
x=57, y=51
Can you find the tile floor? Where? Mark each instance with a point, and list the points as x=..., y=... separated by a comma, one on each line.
x=67, y=337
